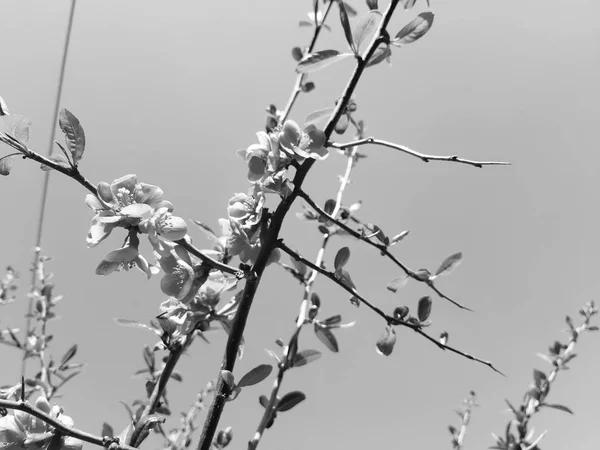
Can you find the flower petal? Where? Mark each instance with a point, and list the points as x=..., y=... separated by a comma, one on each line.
x=93, y=203
x=98, y=232
x=137, y=210
x=128, y=182
x=107, y=267
x=148, y=193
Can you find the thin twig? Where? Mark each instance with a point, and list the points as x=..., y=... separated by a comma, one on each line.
x=67, y=431
x=389, y=319
x=382, y=248
x=422, y=156
x=213, y=263
x=300, y=78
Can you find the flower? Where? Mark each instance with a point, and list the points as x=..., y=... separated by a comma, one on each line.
x=125, y=258
x=307, y=143
x=245, y=211
x=263, y=157
x=122, y=203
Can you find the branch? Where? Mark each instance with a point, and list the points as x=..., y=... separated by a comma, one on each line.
x=269, y=243
x=422, y=156
x=300, y=78
x=381, y=247
x=389, y=319
x=213, y=263
x=67, y=431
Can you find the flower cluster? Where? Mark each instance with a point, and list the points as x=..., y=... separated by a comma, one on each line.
x=20, y=430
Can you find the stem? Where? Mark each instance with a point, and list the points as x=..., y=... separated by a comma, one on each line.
x=422, y=156
x=300, y=78
x=381, y=247
x=67, y=431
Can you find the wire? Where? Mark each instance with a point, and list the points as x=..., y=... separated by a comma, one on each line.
x=38, y=240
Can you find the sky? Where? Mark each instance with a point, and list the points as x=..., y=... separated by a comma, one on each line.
x=171, y=91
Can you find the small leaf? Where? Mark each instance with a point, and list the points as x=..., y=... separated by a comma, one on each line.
x=385, y=344
x=344, y=277
x=68, y=355
x=365, y=29
x=135, y=324
x=3, y=108
x=349, y=9
x=449, y=264
x=593, y=328
x=228, y=378
x=381, y=53
x=399, y=237
x=315, y=61
x=346, y=26
x=327, y=338
x=297, y=53
x=256, y=375
x=424, y=308
x=149, y=357
x=15, y=125
x=6, y=163
x=263, y=400
x=300, y=266
x=559, y=407
x=57, y=158
x=408, y=4
x=372, y=4
x=290, y=400
x=341, y=258
x=317, y=116
x=332, y=321
x=74, y=135
x=414, y=30
x=397, y=283
x=305, y=356
x=539, y=377
x=107, y=430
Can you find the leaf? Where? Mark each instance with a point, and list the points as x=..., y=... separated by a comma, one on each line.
x=107, y=430
x=559, y=407
x=414, y=30
x=74, y=135
x=315, y=61
x=15, y=125
x=68, y=355
x=399, y=237
x=365, y=29
x=539, y=377
x=207, y=230
x=449, y=264
x=149, y=357
x=327, y=338
x=385, y=344
x=305, y=356
x=136, y=324
x=256, y=375
x=341, y=258
x=290, y=400
x=58, y=159
x=344, y=277
x=3, y=108
x=424, y=308
x=346, y=26
x=332, y=321
x=397, y=283
x=228, y=378
x=317, y=116
x=6, y=163
x=381, y=53
x=593, y=328
x=408, y=4
x=349, y=9
x=372, y=4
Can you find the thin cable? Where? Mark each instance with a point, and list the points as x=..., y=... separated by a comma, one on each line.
x=38, y=240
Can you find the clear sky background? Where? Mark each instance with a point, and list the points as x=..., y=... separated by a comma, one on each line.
x=170, y=91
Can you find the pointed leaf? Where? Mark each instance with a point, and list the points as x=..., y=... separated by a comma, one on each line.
x=148, y=357
x=385, y=344
x=449, y=264
x=315, y=61
x=256, y=375
x=305, y=356
x=107, y=430
x=424, y=308
x=539, y=377
x=341, y=258
x=382, y=53
x=593, y=328
x=408, y=4
x=372, y=4
x=346, y=25
x=327, y=338
x=290, y=400
x=74, y=135
x=349, y=9
x=207, y=230
x=57, y=158
x=559, y=407
x=68, y=355
x=399, y=237
x=318, y=116
x=365, y=29
x=416, y=29
x=332, y=321
x=397, y=283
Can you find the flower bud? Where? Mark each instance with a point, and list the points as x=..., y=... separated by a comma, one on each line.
x=42, y=404
x=172, y=227
x=224, y=437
